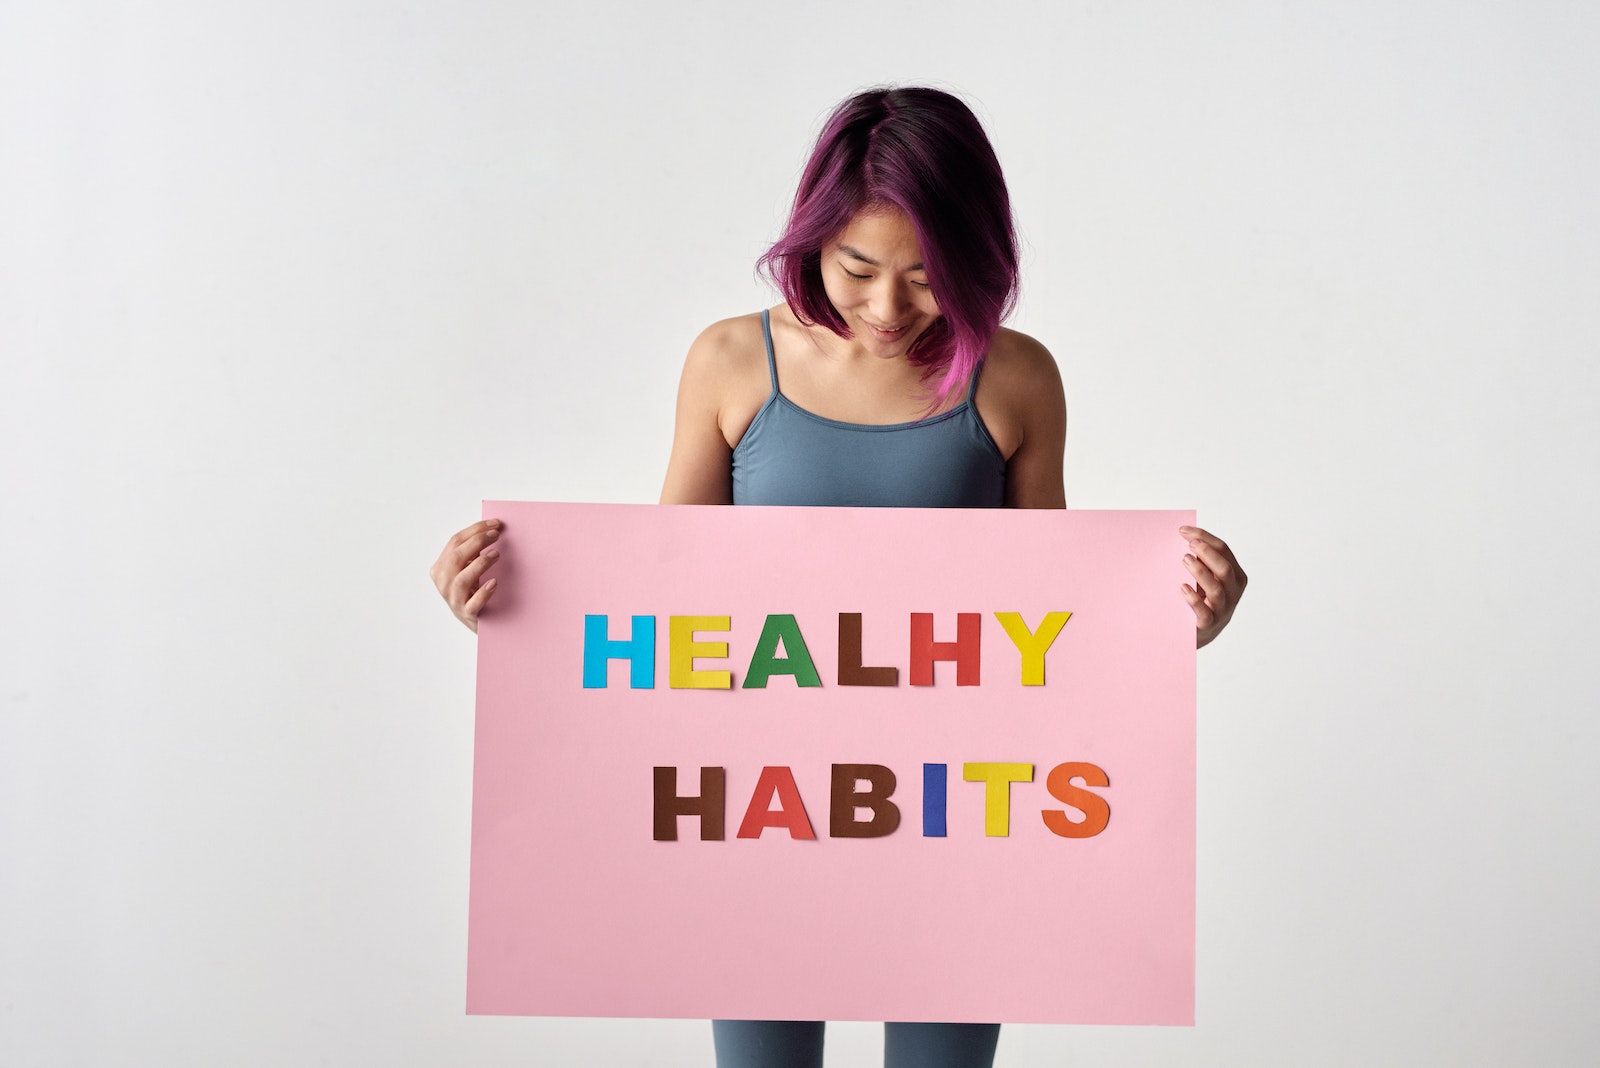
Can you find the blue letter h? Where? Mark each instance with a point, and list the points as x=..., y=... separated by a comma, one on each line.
x=599, y=649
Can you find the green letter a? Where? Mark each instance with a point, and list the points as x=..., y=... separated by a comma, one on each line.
x=765, y=662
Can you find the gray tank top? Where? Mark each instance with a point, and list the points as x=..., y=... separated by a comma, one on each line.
x=790, y=456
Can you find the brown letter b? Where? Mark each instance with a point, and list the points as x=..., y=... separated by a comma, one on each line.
x=842, y=822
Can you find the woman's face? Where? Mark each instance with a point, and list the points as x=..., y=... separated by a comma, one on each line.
x=872, y=272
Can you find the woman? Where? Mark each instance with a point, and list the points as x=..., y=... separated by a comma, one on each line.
x=884, y=378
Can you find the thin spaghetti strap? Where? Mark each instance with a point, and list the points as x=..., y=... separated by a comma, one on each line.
x=772, y=361
x=973, y=417
x=972, y=383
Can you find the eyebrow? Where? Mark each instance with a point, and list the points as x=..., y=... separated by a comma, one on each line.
x=856, y=254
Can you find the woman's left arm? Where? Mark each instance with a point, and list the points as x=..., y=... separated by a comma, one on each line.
x=1022, y=402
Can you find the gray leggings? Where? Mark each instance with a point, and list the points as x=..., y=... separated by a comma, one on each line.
x=798, y=1044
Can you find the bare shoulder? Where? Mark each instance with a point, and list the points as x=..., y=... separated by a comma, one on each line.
x=1019, y=395
x=729, y=347
x=725, y=374
x=1019, y=362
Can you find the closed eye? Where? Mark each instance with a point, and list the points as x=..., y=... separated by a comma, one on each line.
x=864, y=277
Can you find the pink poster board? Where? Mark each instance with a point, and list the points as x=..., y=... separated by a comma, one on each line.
x=577, y=909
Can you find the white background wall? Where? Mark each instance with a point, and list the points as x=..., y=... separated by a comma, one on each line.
x=286, y=288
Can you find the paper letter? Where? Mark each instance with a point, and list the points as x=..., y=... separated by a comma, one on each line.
x=851, y=673
x=791, y=813
x=1096, y=811
x=683, y=651
x=1033, y=645
x=997, y=793
x=764, y=661
x=964, y=650
x=842, y=822
x=933, y=777
x=639, y=650
x=708, y=806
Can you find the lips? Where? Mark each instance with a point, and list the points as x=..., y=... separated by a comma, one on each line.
x=888, y=335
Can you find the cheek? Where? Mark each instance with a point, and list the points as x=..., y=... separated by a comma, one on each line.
x=838, y=295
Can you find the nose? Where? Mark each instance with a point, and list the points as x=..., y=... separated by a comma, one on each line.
x=889, y=301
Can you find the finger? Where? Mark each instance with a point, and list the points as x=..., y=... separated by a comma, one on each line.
x=465, y=584
x=1203, y=615
x=475, y=603
x=470, y=549
x=1205, y=537
x=482, y=526
x=1231, y=573
x=1219, y=561
x=463, y=546
x=473, y=572
x=1216, y=593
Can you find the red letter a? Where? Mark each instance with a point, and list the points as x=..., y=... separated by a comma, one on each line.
x=790, y=813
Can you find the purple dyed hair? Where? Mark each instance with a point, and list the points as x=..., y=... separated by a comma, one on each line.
x=923, y=151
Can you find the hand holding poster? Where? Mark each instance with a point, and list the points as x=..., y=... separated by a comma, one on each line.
x=774, y=763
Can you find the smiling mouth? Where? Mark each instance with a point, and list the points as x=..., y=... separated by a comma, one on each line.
x=881, y=332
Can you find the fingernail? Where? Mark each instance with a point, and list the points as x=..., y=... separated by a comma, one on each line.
x=491, y=553
x=494, y=522
x=1188, y=559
